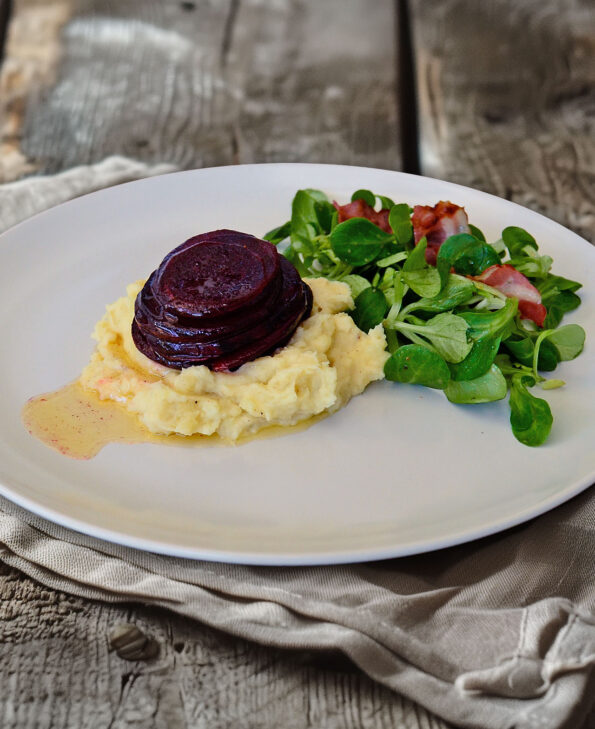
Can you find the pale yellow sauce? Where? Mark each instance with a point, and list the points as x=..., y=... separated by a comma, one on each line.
x=78, y=424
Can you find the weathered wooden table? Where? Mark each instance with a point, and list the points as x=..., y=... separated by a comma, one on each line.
x=499, y=95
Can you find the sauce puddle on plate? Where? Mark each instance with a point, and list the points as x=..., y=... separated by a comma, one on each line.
x=78, y=424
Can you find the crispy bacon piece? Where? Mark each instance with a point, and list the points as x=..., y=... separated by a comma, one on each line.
x=437, y=224
x=513, y=283
x=361, y=209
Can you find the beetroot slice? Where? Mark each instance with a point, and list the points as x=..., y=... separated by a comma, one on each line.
x=215, y=273
x=220, y=299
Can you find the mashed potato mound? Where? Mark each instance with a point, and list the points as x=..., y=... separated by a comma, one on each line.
x=327, y=362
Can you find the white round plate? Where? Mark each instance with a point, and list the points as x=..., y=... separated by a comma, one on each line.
x=398, y=471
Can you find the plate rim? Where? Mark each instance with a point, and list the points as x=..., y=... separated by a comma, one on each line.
x=290, y=559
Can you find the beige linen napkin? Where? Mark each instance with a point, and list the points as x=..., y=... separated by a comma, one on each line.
x=499, y=633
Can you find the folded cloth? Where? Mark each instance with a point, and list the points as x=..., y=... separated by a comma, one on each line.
x=20, y=200
x=499, y=633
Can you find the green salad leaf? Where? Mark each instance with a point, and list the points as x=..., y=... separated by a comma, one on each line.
x=399, y=220
x=357, y=241
x=421, y=278
x=277, y=235
x=364, y=195
x=488, y=387
x=444, y=328
x=478, y=361
x=445, y=333
x=417, y=365
x=517, y=240
x=356, y=283
x=465, y=253
x=530, y=417
x=370, y=308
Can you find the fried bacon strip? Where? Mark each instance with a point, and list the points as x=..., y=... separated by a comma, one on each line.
x=437, y=224
x=361, y=209
x=506, y=279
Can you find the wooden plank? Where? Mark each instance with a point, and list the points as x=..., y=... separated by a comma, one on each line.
x=5, y=12
x=56, y=671
x=32, y=53
x=506, y=96
x=203, y=84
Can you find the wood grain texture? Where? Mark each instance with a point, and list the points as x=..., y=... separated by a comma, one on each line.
x=56, y=671
x=5, y=13
x=507, y=100
x=32, y=52
x=210, y=83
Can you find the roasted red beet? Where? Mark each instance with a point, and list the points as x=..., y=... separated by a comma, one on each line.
x=220, y=299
